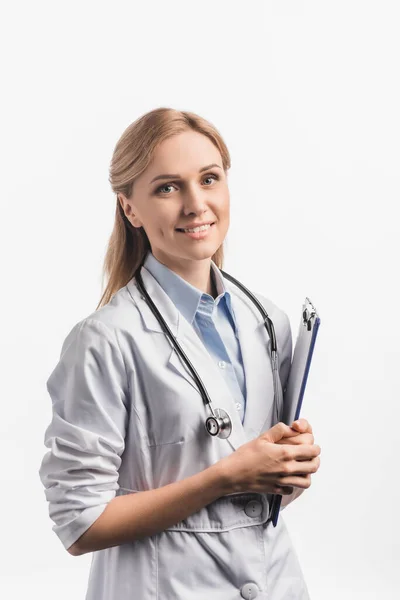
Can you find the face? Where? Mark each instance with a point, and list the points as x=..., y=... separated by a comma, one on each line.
x=176, y=191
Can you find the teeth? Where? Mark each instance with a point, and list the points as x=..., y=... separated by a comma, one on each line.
x=202, y=228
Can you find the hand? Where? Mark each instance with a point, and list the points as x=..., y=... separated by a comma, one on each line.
x=304, y=435
x=262, y=465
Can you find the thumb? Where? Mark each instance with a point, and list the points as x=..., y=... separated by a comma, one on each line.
x=302, y=426
x=277, y=432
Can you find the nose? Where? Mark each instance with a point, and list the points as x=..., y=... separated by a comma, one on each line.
x=194, y=201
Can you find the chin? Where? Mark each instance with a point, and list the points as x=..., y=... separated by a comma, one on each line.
x=199, y=254
x=204, y=251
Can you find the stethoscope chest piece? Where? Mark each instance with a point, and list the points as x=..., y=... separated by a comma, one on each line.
x=219, y=424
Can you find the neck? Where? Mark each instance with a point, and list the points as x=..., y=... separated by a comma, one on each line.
x=195, y=272
x=213, y=287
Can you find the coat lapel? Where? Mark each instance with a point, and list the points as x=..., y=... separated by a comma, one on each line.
x=255, y=348
x=254, y=343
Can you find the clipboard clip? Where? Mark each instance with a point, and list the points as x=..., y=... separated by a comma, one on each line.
x=309, y=312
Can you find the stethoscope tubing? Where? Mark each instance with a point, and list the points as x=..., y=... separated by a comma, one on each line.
x=203, y=391
x=267, y=321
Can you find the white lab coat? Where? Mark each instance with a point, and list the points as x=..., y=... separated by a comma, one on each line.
x=127, y=417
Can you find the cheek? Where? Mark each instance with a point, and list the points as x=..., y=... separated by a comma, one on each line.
x=226, y=201
x=154, y=230
x=164, y=226
x=225, y=208
x=159, y=223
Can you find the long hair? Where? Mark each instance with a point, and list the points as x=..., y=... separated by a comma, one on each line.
x=128, y=246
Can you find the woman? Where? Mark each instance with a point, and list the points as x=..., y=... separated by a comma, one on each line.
x=132, y=474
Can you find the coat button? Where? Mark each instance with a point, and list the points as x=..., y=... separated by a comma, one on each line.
x=253, y=508
x=249, y=591
x=222, y=364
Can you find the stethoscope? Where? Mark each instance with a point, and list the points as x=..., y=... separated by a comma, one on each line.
x=219, y=423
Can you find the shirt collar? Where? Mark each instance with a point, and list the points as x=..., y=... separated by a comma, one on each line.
x=185, y=296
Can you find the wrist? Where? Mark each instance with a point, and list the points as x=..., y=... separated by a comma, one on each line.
x=223, y=477
x=218, y=478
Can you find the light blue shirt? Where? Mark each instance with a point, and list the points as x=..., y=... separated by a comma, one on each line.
x=213, y=321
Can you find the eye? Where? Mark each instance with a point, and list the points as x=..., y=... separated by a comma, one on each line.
x=162, y=187
x=213, y=176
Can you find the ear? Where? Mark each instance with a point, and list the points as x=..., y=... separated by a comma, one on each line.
x=127, y=207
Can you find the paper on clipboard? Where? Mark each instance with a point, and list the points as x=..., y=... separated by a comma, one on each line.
x=301, y=362
x=297, y=380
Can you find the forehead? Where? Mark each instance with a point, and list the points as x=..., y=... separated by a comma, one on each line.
x=185, y=151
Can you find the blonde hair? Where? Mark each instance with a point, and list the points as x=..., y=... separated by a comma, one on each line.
x=128, y=246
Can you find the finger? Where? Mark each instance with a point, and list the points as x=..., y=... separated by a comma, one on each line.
x=300, y=438
x=302, y=452
x=285, y=490
x=305, y=467
x=298, y=482
x=277, y=432
x=299, y=468
x=302, y=425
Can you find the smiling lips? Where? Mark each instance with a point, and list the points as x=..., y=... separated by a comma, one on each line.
x=195, y=228
x=198, y=233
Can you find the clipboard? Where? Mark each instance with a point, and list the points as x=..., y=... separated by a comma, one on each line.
x=298, y=375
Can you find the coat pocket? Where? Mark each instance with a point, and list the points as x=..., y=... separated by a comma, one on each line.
x=171, y=410
x=199, y=565
x=226, y=513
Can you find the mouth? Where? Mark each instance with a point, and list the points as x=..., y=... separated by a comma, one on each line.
x=196, y=229
x=198, y=233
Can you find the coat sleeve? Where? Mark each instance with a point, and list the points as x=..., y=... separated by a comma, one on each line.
x=86, y=435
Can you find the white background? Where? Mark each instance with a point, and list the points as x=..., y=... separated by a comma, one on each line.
x=306, y=95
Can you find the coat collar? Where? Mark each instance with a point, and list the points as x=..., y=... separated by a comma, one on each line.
x=185, y=296
x=255, y=348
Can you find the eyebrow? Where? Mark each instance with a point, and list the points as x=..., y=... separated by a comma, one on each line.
x=177, y=176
